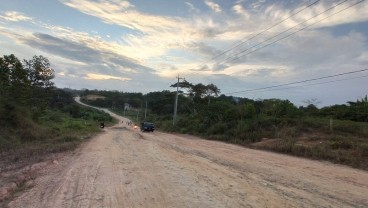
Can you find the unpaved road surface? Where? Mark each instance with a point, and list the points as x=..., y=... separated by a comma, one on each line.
x=123, y=167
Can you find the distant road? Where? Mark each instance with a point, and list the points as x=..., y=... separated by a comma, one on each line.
x=123, y=167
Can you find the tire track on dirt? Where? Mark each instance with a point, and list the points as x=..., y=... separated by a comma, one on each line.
x=303, y=191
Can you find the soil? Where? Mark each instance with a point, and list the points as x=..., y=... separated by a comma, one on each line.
x=123, y=167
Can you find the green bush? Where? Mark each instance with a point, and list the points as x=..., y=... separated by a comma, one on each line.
x=341, y=144
x=363, y=150
x=218, y=128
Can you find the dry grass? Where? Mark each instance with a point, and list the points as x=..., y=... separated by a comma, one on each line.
x=352, y=150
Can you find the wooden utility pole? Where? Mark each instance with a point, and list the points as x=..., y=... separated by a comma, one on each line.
x=145, y=111
x=176, y=99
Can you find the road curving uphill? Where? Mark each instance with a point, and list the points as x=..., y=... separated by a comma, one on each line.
x=123, y=167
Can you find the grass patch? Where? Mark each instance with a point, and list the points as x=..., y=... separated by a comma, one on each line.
x=351, y=151
x=55, y=131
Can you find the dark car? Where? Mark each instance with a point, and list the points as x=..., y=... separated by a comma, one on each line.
x=147, y=126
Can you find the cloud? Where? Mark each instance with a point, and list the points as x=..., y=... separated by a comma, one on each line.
x=80, y=52
x=64, y=48
x=153, y=35
x=201, y=34
x=321, y=48
x=213, y=6
x=204, y=49
x=240, y=10
x=257, y=4
x=104, y=77
x=113, y=13
x=327, y=13
x=192, y=8
x=15, y=16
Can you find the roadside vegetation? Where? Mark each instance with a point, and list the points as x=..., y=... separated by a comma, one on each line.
x=337, y=133
x=36, y=118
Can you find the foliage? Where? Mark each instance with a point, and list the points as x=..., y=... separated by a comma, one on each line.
x=35, y=117
x=355, y=111
x=14, y=80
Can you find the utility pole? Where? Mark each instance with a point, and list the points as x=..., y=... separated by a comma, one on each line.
x=145, y=111
x=138, y=113
x=176, y=99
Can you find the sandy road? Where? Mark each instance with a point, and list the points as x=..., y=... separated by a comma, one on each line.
x=123, y=167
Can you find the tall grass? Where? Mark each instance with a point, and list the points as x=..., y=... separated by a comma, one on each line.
x=22, y=138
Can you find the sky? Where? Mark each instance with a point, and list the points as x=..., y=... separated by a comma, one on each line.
x=238, y=45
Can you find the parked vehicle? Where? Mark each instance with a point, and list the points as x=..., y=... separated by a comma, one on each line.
x=147, y=126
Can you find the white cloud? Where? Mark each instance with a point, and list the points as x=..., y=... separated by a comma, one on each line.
x=15, y=16
x=364, y=58
x=192, y=7
x=155, y=34
x=240, y=10
x=113, y=13
x=257, y=4
x=327, y=14
x=213, y=6
x=321, y=48
x=104, y=77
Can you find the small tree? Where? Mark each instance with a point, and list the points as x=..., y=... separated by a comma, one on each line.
x=40, y=72
x=40, y=75
x=14, y=83
x=212, y=90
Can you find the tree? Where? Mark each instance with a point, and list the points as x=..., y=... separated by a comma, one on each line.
x=246, y=110
x=4, y=77
x=217, y=112
x=40, y=72
x=212, y=90
x=198, y=90
x=14, y=83
x=40, y=75
x=184, y=84
x=279, y=108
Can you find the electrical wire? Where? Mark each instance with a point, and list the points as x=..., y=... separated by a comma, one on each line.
x=319, y=83
x=289, y=36
x=233, y=59
x=298, y=82
x=303, y=28
x=241, y=42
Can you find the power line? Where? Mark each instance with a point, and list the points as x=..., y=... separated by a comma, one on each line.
x=298, y=82
x=319, y=83
x=241, y=42
x=289, y=30
x=235, y=58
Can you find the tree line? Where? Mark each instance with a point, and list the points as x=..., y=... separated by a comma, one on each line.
x=205, y=101
x=27, y=82
x=27, y=86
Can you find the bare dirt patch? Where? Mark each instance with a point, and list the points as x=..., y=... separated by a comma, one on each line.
x=94, y=97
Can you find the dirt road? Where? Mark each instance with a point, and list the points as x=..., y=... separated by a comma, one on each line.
x=124, y=167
